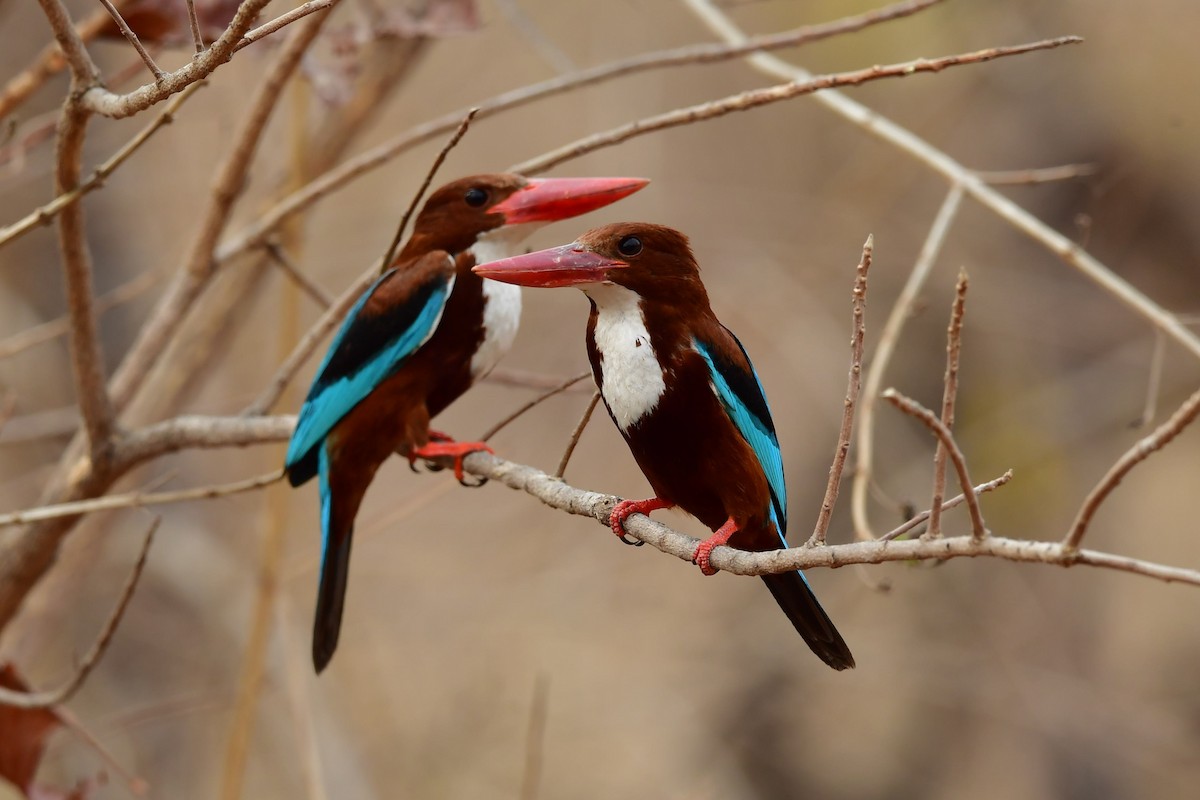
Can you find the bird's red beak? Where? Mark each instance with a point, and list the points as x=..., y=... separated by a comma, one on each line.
x=550, y=199
x=568, y=265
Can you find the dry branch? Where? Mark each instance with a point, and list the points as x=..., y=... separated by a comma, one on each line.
x=949, y=395
x=884, y=350
x=958, y=175
x=254, y=234
x=930, y=420
x=857, y=344
x=743, y=101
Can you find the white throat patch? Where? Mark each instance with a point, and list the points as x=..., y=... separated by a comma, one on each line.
x=501, y=301
x=633, y=379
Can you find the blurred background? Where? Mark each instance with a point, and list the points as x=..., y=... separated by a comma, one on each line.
x=476, y=617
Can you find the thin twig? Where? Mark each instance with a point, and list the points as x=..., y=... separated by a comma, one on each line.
x=51, y=329
x=63, y=693
x=1022, y=177
x=1162, y=435
x=949, y=395
x=1153, y=381
x=308, y=343
x=743, y=101
x=953, y=502
x=197, y=36
x=524, y=379
x=139, y=500
x=128, y=33
x=707, y=53
x=857, y=343
x=573, y=442
x=551, y=53
x=266, y=29
x=915, y=409
x=546, y=395
x=908, y=142
x=47, y=212
x=306, y=284
x=535, y=737
x=884, y=350
x=420, y=193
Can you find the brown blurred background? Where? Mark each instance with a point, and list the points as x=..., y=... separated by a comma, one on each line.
x=980, y=679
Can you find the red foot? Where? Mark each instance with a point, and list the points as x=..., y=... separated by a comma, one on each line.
x=623, y=509
x=458, y=450
x=704, y=551
x=438, y=436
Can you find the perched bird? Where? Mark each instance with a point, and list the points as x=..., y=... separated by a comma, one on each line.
x=682, y=391
x=418, y=338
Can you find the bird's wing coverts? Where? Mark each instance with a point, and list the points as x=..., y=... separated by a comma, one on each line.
x=392, y=319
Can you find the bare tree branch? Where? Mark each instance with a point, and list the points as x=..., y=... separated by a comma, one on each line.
x=336, y=178
x=199, y=266
x=857, y=343
x=908, y=142
x=520, y=412
x=99, y=100
x=949, y=395
x=744, y=101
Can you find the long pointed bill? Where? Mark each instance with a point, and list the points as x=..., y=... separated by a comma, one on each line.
x=550, y=199
x=569, y=265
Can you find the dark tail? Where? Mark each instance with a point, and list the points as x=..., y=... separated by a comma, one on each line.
x=810, y=620
x=331, y=597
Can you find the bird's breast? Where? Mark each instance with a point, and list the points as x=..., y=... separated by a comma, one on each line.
x=632, y=380
x=501, y=317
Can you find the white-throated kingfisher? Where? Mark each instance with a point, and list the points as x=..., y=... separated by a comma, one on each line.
x=418, y=338
x=682, y=391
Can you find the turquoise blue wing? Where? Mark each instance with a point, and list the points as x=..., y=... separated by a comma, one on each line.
x=374, y=341
x=742, y=396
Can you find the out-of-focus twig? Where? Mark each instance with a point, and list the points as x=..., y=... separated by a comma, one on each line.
x=63, y=693
x=1023, y=177
x=854, y=383
x=44, y=214
x=138, y=500
x=305, y=283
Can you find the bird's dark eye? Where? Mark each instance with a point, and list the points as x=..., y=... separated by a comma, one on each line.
x=629, y=246
x=476, y=197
